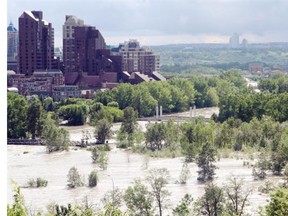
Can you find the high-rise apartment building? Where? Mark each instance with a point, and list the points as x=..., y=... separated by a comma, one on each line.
x=12, y=47
x=36, y=43
x=87, y=62
x=69, y=46
x=138, y=59
x=234, y=41
x=12, y=42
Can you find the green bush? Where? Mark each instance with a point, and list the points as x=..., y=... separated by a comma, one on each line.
x=39, y=182
x=93, y=179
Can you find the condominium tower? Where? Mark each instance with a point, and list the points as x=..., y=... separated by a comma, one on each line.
x=12, y=42
x=36, y=43
x=138, y=59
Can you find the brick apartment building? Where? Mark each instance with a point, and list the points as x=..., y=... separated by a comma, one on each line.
x=36, y=43
x=138, y=59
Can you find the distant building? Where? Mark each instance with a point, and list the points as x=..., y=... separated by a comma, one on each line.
x=87, y=62
x=234, y=41
x=138, y=59
x=40, y=83
x=65, y=91
x=12, y=47
x=36, y=43
x=244, y=43
x=256, y=67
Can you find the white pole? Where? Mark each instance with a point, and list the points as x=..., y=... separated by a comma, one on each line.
x=157, y=111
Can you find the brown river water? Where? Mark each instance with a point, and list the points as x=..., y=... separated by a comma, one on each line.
x=123, y=168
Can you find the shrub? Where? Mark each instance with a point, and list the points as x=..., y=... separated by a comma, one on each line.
x=74, y=178
x=93, y=179
x=39, y=182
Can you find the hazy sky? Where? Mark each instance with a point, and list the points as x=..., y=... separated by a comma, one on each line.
x=155, y=22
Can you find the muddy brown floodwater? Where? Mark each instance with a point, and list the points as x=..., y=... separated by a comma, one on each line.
x=123, y=168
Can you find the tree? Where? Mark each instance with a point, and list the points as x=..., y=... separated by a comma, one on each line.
x=129, y=126
x=74, y=113
x=237, y=198
x=155, y=136
x=93, y=179
x=56, y=139
x=74, y=178
x=158, y=179
x=102, y=160
x=48, y=104
x=205, y=159
x=113, y=198
x=103, y=130
x=185, y=173
x=94, y=155
x=212, y=202
x=17, y=107
x=184, y=207
x=35, y=119
x=139, y=200
x=278, y=204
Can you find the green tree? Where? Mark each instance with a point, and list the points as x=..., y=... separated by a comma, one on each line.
x=204, y=160
x=75, y=113
x=129, y=124
x=185, y=173
x=112, y=199
x=74, y=178
x=138, y=200
x=278, y=204
x=93, y=179
x=212, y=202
x=155, y=136
x=103, y=130
x=35, y=117
x=129, y=127
x=94, y=155
x=55, y=138
x=17, y=107
x=102, y=160
x=158, y=179
x=48, y=104
x=184, y=207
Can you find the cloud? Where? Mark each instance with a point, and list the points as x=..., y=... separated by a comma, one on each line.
x=162, y=18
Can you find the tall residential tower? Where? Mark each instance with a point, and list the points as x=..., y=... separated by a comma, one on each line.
x=12, y=47
x=36, y=43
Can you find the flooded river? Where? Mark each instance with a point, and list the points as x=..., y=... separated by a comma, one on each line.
x=123, y=168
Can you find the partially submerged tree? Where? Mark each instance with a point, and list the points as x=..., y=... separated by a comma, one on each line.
x=205, y=159
x=74, y=178
x=93, y=179
x=94, y=154
x=103, y=130
x=138, y=199
x=212, y=202
x=158, y=179
x=237, y=197
x=55, y=139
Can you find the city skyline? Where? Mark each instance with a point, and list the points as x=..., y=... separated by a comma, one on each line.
x=158, y=22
